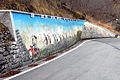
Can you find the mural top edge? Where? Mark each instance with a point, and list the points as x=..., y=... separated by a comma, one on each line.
x=41, y=15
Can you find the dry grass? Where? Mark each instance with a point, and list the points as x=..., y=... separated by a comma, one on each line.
x=50, y=7
x=69, y=8
x=107, y=26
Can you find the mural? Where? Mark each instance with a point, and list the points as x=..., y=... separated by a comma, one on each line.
x=26, y=37
x=44, y=35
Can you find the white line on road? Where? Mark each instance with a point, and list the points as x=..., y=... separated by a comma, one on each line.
x=46, y=62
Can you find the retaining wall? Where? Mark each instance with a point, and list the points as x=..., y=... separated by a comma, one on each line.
x=29, y=37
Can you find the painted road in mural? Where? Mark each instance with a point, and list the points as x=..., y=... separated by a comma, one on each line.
x=39, y=33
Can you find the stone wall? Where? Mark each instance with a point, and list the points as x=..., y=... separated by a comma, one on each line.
x=12, y=54
x=54, y=35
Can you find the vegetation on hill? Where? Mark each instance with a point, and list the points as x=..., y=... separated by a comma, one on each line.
x=101, y=12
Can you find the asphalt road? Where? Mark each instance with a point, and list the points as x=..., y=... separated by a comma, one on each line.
x=97, y=59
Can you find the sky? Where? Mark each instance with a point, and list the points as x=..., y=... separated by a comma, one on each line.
x=25, y=21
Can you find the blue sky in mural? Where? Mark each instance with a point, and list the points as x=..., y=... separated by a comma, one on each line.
x=24, y=21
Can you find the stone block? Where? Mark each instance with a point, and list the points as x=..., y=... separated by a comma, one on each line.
x=5, y=53
x=7, y=57
x=2, y=49
x=18, y=60
x=15, y=65
x=11, y=51
x=1, y=57
x=6, y=66
x=9, y=64
x=26, y=63
x=2, y=62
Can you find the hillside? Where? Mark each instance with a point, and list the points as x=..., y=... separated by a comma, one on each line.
x=102, y=12
x=98, y=11
x=51, y=7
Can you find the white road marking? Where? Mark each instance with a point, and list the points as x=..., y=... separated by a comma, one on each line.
x=46, y=62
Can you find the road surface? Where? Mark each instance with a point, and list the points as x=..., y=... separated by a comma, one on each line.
x=97, y=59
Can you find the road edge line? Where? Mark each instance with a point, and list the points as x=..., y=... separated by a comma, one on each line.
x=63, y=54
